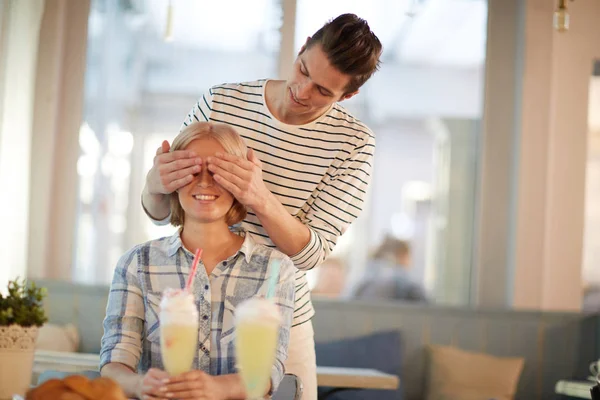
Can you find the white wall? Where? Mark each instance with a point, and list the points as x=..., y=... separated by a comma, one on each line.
x=534, y=160
x=591, y=250
x=20, y=36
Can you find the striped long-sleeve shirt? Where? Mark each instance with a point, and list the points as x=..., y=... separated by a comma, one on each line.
x=319, y=171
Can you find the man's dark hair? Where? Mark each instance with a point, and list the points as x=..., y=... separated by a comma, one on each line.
x=351, y=47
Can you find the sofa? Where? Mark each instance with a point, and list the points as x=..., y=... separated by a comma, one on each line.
x=554, y=345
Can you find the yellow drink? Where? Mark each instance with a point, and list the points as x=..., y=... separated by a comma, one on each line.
x=255, y=352
x=178, y=331
x=178, y=347
x=257, y=329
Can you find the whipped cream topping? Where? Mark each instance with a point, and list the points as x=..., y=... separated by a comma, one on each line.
x=177, y=306
x=257, y=309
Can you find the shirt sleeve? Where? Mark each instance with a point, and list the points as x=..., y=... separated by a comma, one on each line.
x=335, y=204
x=284, y=297
x=124, y=321
x=200, y=112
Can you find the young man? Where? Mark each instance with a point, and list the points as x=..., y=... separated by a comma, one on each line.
x=315, y=160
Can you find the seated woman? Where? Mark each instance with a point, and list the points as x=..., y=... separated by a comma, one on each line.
x=233, y=268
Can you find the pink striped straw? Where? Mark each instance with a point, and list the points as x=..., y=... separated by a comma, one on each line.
x=190, y=280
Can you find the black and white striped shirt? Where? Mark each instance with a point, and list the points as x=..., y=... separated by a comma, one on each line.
x=319, y=171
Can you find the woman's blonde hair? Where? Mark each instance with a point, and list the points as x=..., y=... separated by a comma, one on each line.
x=231, y=142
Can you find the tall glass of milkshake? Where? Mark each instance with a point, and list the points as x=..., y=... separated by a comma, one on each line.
x=257, y=322
x=178, y=330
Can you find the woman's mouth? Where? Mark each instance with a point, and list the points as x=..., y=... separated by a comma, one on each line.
x=204, y=197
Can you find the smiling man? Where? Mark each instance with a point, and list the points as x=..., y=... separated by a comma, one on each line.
x=308, y=168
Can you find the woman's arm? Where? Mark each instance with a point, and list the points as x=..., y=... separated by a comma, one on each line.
x=135, y=385
x=121, y=344
x=129, y=381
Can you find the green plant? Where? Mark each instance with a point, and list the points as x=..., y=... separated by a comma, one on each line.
x=23, y=305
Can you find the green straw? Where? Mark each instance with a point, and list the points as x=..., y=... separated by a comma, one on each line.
x=274, y=278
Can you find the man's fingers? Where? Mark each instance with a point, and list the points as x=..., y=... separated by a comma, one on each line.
x=165, y=169
x=253, y=158
x=182, y=173
x=228, y=176
x=179, y=183
x=165, y=146
x=222, y=165
x=239, y=161
x=230, y=187
x=169, y=157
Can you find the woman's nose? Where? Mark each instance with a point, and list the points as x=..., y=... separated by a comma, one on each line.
x=205, y=178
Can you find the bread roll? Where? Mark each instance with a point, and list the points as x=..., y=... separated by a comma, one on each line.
x=77, y=387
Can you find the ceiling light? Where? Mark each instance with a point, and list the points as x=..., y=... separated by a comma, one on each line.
x=561, y=16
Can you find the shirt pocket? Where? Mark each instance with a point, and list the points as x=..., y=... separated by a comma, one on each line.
x=228, y=327
x=153, y=316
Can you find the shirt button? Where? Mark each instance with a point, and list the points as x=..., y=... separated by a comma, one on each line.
x=205, y=317
x=205, y=287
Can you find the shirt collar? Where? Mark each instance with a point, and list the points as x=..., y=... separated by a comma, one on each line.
x=174, y=243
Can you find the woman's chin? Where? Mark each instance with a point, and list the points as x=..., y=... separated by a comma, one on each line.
x=203, y=218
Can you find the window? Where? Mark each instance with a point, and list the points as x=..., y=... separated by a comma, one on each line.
x=424, y=106
x=591, y=252
x=138, y=89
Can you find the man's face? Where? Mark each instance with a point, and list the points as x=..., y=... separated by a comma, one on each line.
x=314, y=84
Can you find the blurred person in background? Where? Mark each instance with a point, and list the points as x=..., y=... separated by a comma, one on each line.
x=386, y=276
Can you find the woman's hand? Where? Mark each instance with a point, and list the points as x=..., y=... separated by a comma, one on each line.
x=151, y=386
x=196, y=385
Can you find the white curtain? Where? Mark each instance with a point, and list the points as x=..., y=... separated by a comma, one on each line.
x=19, y=35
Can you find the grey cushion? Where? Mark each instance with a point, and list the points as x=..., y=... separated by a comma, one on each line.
x=381, y=351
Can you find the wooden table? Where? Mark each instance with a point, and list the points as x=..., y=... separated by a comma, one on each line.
x=578, y=389
x=337, y=379
x=44, y=360
x=340, y=379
